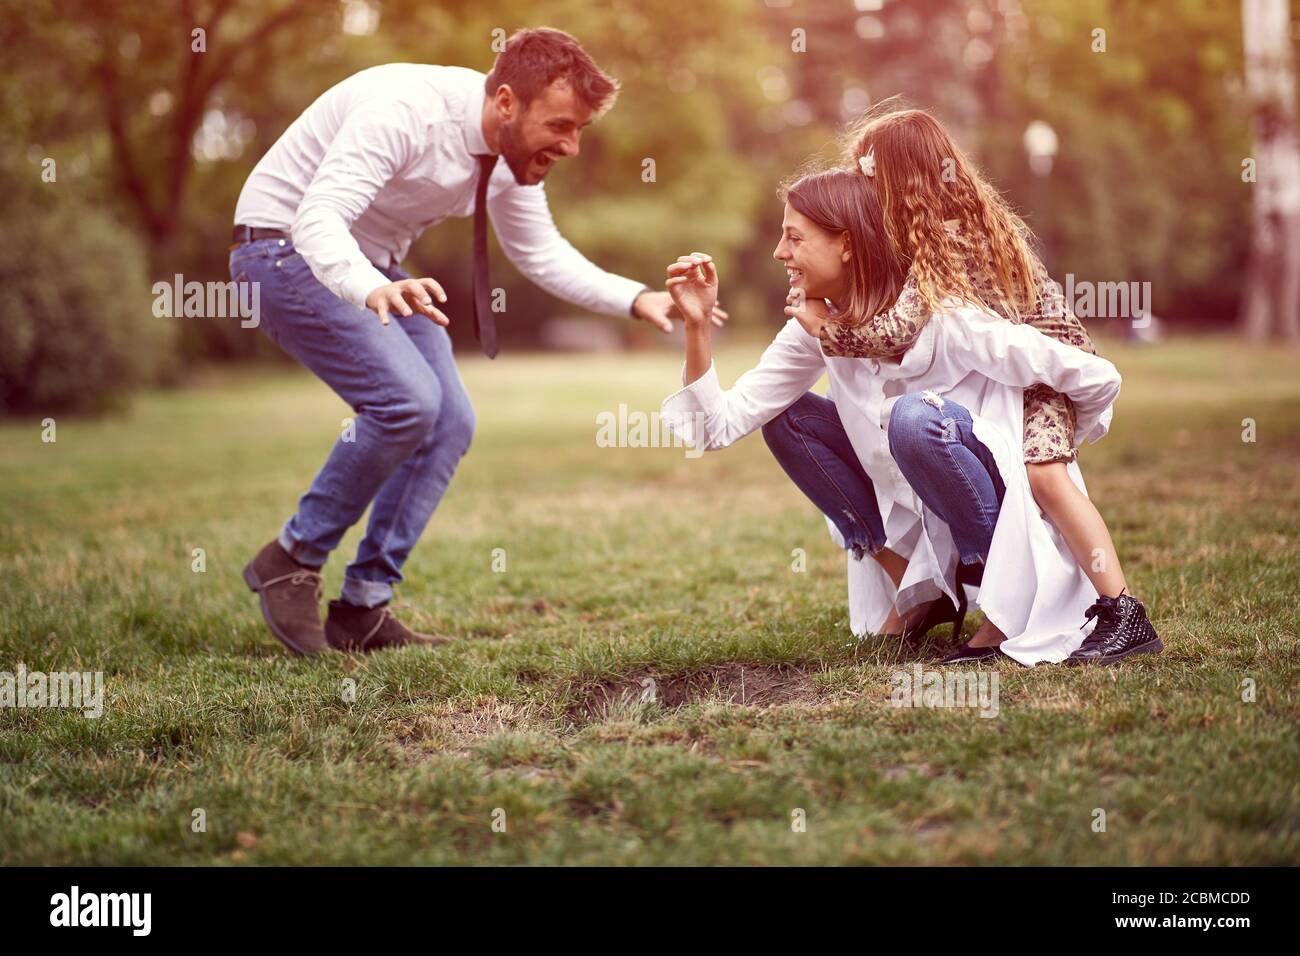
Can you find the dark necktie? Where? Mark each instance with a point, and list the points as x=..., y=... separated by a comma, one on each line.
x=485, y=327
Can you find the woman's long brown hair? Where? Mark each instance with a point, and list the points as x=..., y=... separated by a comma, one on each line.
x=924, y=179
x=845, y=201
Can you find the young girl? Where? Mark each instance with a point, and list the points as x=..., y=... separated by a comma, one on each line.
x=958, y=238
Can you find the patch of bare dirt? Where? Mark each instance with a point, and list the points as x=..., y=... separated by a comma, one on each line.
x=528, y=773
x=447, y=730
x=906, y=770
x=751, y=685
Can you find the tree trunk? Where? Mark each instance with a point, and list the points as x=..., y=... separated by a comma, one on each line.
x=1271, y=299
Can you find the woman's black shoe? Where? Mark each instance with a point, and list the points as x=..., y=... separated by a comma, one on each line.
x=967, y=574
x=943, y=611
x=970, y=655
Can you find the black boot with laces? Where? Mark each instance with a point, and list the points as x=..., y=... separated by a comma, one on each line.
x=1122, y=629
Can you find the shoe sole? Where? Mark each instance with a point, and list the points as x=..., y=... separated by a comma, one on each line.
x=985, y=659
x=1154, y=646
x=255, y=585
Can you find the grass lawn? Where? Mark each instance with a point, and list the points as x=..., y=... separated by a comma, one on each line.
x=625, y=566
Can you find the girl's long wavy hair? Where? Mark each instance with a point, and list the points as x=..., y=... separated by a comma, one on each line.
x=844, y=201
x=924, y=179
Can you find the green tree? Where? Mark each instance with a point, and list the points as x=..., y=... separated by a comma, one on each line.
x=77, y=331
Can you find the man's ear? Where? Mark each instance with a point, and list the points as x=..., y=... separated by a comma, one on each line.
x=506, y=102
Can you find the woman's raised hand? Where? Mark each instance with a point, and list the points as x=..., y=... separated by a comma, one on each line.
x=693, y=284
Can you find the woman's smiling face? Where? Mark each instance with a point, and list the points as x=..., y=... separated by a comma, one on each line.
x=813, y=258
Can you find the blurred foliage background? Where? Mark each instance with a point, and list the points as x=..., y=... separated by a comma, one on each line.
x=152, y=142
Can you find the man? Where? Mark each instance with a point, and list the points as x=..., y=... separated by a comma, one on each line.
x=322, y=223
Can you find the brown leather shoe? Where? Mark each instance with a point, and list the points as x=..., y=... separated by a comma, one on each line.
x=290, y=595
x=365, y=629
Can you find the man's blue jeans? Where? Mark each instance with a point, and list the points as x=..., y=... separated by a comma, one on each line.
x=932, y=443
x=413, y=423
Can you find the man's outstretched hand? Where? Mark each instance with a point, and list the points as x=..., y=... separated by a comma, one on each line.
x=657, y=308
x=416, y=295
x=406, y=297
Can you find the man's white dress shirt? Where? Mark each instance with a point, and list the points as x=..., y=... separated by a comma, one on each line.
x=389, y=152
x=1033, y=589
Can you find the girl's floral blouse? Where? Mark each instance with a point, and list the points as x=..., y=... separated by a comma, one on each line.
x=1049, y=415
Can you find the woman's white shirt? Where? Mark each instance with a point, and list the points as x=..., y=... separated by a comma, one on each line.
x=1033, y=589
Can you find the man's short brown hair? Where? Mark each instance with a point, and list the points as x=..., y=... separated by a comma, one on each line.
x=534, y=59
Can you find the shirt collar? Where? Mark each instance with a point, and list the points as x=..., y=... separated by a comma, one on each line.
x=473, y=121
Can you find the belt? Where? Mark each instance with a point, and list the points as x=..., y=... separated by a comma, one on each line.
x=243, y=234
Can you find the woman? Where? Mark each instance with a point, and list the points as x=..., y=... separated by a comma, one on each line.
x=953, y=497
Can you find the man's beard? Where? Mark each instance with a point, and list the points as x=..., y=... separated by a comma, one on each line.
x=516, y=154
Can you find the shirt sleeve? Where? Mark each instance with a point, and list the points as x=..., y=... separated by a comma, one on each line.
x=372, y=145
x=886, y=335
x=531, y=241
x=707, y=417
x=1020, y=356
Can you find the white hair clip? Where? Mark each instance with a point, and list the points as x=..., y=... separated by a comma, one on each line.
x=867, y=163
